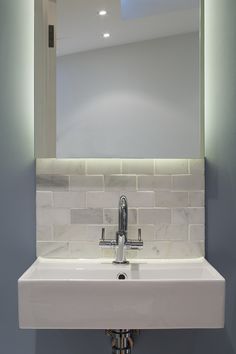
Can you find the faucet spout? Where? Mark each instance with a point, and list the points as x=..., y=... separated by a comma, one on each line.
x=123, y=215
x=121, y=235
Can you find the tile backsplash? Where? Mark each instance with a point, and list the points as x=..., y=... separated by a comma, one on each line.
x=76, y=198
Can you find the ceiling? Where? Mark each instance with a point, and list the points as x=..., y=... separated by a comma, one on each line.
x=80, y=28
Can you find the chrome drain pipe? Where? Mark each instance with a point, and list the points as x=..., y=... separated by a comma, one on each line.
x=121, y=340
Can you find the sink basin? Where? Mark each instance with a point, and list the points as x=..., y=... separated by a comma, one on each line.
x=96, y=294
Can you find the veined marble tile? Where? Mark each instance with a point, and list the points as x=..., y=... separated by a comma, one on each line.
x=71, y=200
x=169, y=232
x=197, y=199
x=141, y=199
x=49, y=216
x=196, y=233
x=86, y=216
x=154, y=250
x=188, y=216
x=197, y=166
x=138, y=166
x=152, y=183
x=117, y=183
x=147, y=232
x=44, y=233
x=111, y=216
x=111, y=199
x=53, y=249
x=185, y=249
x=85, y=250
x=60, y=166
x=86, y=183
x=70, y=232
x=188, y=183
x=72, y=207
x=52, y=183
x=171, y=166
x=103, y=166
x=102, y=199
x=154, y=216
x=171, y=199
x=44, y=199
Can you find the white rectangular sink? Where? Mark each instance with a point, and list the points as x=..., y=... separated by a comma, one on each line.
x=86, y=294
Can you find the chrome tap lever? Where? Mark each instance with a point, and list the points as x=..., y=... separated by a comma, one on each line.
x=103, y=234
x=106, y=243
x=139, y=235
x=135, y=244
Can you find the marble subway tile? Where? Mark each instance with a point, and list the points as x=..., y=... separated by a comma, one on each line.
x=53, y=249
x=44, y=199
x=103, y=166
x=94, y=232
x=111, y=199
x=197, y=199
x=117, y=183
x=197, y=166
x=196, y=233
x=138, y=166
x=60, y=166
x=86, y=183
x=71, y=200
x=147, y=231
x=154, y=216
x=85, y=250
x=151, y=183
x=108, y=253
x=49, y=216
x=111, y=216
x=70, y=232
x=102, y=199
x=72, y=207
x=188, y=183
x=86, y=216
x=44, y=232
x=52, y=183
x=171, y=199
x=185, y=249
x=154, y=250
x=140, y=199
x=171, y=166
x=171, y=232
x=188, y=216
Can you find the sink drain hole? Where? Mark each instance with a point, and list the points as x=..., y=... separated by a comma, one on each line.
x=122, y=276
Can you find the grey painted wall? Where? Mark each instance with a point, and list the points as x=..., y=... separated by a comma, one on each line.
x=220, y=88
x=17, y=191
x=17, y=202
x=129, y=100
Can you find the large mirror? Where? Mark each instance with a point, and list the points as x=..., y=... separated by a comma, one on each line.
x=128, y=79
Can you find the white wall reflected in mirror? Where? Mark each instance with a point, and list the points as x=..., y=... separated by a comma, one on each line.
x=134, y=94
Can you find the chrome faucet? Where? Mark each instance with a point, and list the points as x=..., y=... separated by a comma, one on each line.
x=121, y=243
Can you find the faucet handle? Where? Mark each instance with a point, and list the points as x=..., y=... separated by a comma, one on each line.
x=135, y=244
x=103, y=234
x=139, y=234
x=106, y=243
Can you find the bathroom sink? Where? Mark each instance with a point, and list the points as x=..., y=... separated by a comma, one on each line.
x=145, y=294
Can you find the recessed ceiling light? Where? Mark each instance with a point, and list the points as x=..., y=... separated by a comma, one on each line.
x=106, y=35
x=102, y=13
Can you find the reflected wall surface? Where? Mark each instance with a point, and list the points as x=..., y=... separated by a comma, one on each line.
x=135, y=94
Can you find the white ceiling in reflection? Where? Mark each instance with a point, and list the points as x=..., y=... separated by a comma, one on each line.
x=80, y=28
